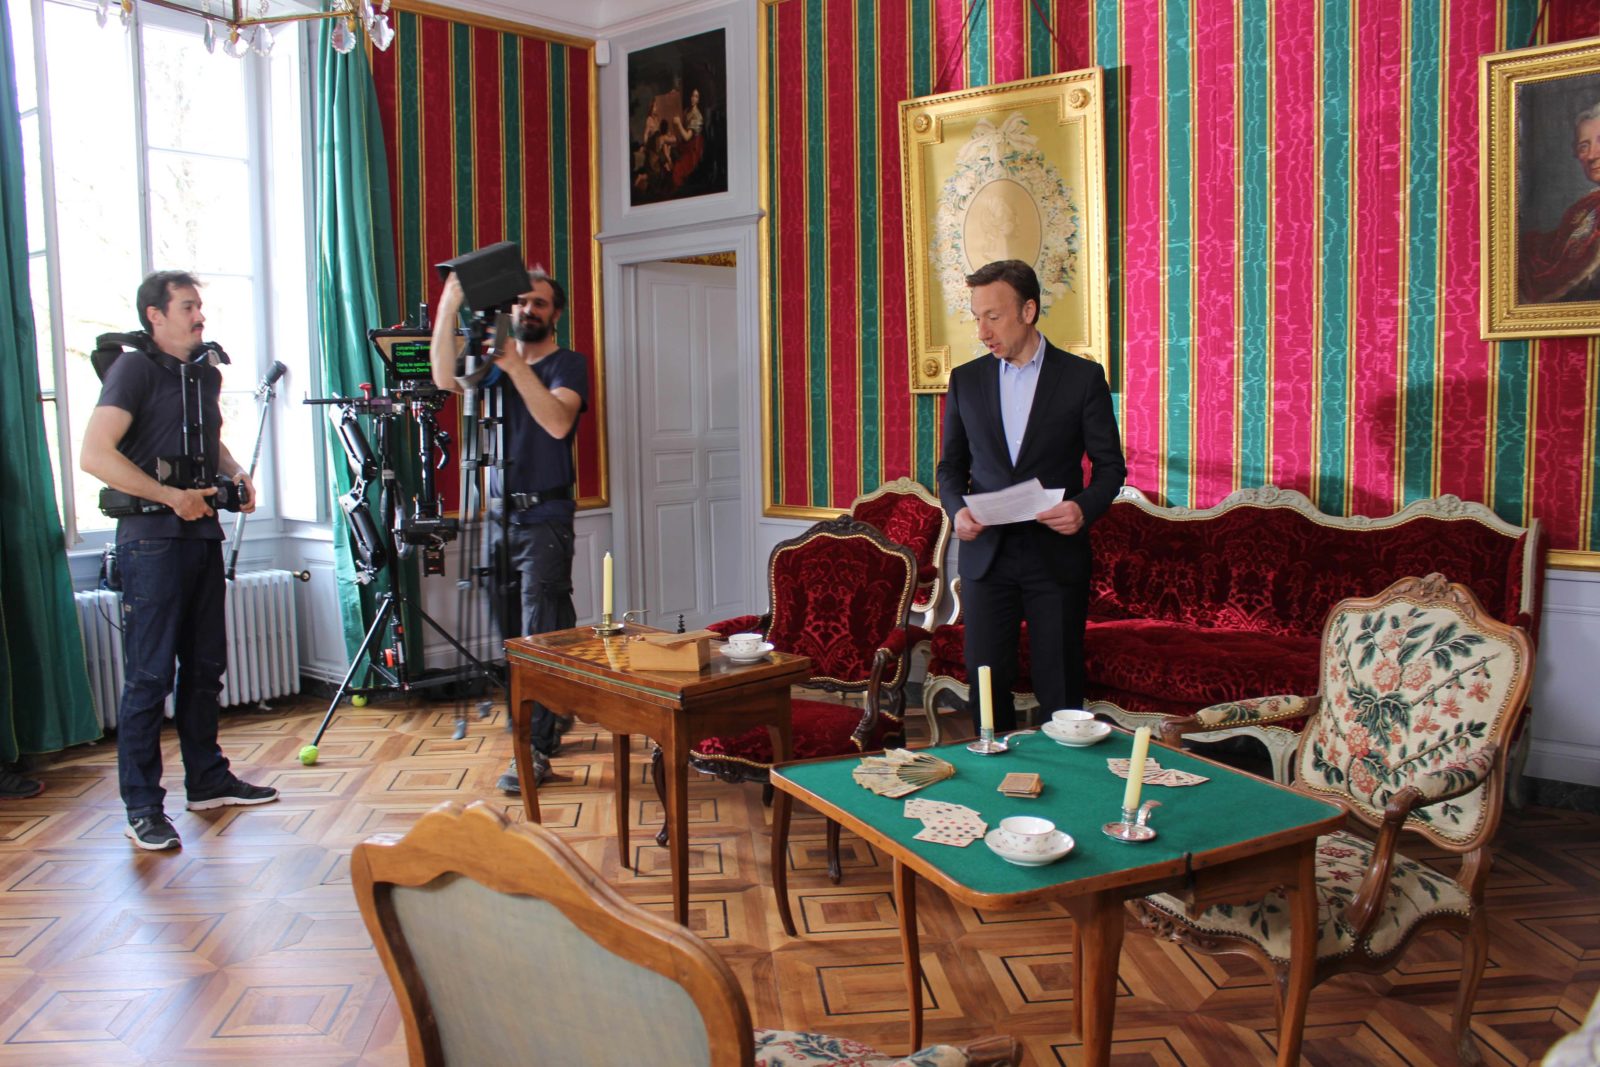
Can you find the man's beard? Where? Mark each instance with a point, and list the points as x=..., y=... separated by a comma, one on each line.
x=530, y=331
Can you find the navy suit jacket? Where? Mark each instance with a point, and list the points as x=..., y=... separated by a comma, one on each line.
x=1071, y=417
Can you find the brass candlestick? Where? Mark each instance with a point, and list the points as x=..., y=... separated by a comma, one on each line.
x=1135, y=825
x=607, y=627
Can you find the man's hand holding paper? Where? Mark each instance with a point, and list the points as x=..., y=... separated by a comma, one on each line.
x=1023, y=502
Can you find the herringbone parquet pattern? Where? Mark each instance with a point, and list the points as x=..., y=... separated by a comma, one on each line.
x=246, y=946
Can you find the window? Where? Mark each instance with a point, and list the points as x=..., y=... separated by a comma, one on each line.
x=144, y=151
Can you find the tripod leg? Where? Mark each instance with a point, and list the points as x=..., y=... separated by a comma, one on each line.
x=483, y=668
x=360, y=657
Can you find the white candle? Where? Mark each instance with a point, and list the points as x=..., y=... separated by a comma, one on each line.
x=1141, y=749
x=605, y=586
x=985, y=700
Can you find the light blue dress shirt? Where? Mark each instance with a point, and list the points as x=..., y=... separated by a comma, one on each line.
x=1017, y=386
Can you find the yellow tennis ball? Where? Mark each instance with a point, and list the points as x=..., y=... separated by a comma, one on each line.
x=358, y=700
x=308, y=755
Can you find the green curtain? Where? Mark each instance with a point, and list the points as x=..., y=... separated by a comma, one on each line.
x=356, y=292
x=44, y=686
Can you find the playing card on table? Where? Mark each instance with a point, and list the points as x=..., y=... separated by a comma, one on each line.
x=1154, y=774
x=950, y=832
x=920, y=807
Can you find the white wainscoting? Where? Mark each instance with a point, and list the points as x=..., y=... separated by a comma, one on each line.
x=1566, y=689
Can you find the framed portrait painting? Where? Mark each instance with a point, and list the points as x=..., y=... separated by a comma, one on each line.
x=1013, y=171
x=1539, y=154
x=677, y=119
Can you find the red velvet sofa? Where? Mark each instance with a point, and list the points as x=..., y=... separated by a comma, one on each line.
x=1194, y=608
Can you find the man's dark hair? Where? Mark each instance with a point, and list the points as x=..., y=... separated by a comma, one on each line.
x=558, y=295
x=1013, y=272
x=156, y=292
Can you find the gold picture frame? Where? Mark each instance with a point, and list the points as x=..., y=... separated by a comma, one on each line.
x=1540, y=190
x=1014, y=171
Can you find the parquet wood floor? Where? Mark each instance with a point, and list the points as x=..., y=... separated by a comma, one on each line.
x=246, y=946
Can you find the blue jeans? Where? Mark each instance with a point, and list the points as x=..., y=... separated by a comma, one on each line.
x=174, y=625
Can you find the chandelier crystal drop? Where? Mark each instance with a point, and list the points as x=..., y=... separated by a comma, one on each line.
x=246, y=26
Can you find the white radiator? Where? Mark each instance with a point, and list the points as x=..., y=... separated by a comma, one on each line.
x=263, y=643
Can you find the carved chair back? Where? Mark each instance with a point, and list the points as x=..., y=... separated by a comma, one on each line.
x=909, y=515
x=838, y=591
x=503, y=946
x=1420, y=687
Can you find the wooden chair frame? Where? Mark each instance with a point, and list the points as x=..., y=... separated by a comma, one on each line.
x=477, y=842
x=928, y=612
x=1396, y=820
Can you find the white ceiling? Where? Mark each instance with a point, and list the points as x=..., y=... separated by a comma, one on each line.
x=585, y=18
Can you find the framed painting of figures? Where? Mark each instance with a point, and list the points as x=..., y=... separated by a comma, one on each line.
x=677, y=119
x=1012, y=171
x=1539, y=153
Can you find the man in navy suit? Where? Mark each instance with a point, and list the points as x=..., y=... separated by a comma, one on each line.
x=1033, y=411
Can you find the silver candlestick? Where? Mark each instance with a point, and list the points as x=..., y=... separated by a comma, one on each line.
x=1135, y=825
x=987, y=744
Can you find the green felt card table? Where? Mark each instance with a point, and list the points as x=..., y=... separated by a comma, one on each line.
x=1230, y=839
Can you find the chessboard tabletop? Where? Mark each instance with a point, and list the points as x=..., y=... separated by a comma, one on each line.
x=580, y=653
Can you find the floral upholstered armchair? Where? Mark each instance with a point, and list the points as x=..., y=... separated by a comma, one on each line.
x=840, y=594
x=1420, y=693
x=631, y=987
x=909, y=515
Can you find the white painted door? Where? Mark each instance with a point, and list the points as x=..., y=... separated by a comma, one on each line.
x=689, y=444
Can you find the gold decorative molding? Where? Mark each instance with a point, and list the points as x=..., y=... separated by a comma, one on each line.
x=709, y=259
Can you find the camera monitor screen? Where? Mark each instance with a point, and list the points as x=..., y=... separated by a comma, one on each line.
x=407, y=354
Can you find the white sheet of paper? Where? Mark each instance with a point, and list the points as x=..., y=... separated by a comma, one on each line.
x=1016, y=503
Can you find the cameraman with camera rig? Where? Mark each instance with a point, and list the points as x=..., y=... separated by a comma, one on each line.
x=545, y=387
x=155, y=439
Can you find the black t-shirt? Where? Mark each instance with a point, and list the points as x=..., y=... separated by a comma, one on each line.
x=152, y=393
x=535, y=460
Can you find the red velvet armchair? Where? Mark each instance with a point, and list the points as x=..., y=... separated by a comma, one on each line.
x=841, y=593
x=909, y=515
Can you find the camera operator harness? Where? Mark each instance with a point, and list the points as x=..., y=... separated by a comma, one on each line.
x=196, y=467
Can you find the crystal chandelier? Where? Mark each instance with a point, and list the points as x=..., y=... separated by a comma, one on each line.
x=243, y=30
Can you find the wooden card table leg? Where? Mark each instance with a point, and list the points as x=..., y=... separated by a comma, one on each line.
x=781, y=810
x=1302, y=900
x=677, y=786
x=905, y=901
x=522, y=745
x=1077, y=979
x=1099, y=918
x=621, y=745
x=783, y=747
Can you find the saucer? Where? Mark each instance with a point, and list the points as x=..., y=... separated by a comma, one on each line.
x=1102, y=730
x=747, y=657
x=1060, y=845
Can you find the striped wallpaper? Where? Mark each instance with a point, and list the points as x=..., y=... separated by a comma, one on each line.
x=490, y=138
x=1294, y=268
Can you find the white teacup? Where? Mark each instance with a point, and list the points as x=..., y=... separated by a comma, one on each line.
x=1073, y=723
x=1026, y=835
x=744, y=644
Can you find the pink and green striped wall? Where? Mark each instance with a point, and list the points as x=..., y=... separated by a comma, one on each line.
x=490, y=138
x=1294, y=264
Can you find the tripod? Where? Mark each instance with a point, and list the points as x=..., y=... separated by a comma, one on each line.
x=374, y=550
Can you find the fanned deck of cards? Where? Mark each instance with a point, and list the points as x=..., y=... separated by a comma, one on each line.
x=944, y=823
x=1155, y=775
x=899, y=771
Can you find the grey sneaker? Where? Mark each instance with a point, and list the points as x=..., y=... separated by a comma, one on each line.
x=511, y=787
x=152, y=832
x=233, y=793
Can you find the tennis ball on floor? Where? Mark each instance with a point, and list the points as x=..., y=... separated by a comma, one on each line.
x=359, y=700
x=308, y=755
